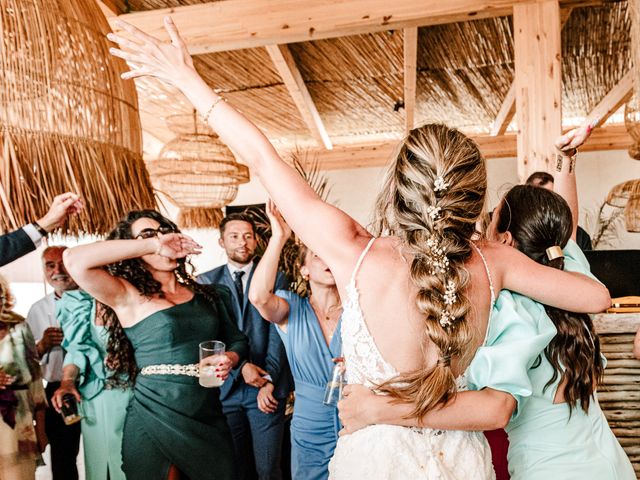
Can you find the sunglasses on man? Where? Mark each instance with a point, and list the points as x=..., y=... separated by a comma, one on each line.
x=154, y=232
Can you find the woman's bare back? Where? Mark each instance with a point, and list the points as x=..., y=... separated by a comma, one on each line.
x=387, y=300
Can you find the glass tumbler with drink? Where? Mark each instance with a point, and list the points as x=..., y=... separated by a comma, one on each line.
x=208, y=375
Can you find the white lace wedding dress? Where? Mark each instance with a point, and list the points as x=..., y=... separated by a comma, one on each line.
x=385, y=452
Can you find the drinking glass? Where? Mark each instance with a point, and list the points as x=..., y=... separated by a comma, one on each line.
x=333, y=390
x=69, y=409
x=210, y=348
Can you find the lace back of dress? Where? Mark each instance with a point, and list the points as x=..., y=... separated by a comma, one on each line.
x=364, y=363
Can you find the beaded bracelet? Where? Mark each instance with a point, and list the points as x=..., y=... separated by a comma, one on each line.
x=205, y=117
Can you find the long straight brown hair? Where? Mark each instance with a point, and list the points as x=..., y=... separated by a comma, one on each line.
x=537, y=219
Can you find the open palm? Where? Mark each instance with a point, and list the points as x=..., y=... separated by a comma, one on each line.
x=148, y=56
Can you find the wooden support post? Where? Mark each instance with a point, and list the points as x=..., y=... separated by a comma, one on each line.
x=538, y=80
x=508, y=108
x=288, y=70
x=410, y=67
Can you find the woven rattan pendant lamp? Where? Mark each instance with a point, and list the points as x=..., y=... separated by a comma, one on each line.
x=197, y=172
x=67, y=120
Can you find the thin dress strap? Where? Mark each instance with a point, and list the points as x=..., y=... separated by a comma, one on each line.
x=359, y=263
x=493, y=293
x=486, y=267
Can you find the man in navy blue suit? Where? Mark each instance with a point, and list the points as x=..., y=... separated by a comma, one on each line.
x=254, y=396
x=18, y=243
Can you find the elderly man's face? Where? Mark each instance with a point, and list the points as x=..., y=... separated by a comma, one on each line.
x=55, y=272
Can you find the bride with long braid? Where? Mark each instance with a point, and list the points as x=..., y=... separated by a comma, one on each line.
x=417, y=300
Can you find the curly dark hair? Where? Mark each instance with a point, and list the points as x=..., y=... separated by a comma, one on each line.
x=120, y=352
x=538, y=219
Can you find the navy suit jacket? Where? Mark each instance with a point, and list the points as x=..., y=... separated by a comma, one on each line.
x=265, y=347
x=14, y=245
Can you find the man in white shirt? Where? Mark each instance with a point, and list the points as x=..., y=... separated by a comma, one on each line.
x=64, y=439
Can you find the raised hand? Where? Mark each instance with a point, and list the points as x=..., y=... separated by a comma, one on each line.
x=148, y=56
x=280, y=230
x=63, y=206
x=176, y=245
x=568, y=143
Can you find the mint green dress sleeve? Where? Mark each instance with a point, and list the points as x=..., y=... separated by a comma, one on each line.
x=75, y=312
x=575, y=260
x=519, y=331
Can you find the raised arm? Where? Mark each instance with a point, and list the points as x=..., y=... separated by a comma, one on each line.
x=566, y=290
x=486, y=409
x=261, y=295
x=564, y=175
x=325, y=229
x=85, y=263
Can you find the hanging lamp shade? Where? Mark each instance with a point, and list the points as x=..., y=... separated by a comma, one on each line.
x=627, y=195
x=68, y=122
x=197, y=172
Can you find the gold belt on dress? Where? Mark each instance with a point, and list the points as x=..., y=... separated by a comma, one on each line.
x=191, y=370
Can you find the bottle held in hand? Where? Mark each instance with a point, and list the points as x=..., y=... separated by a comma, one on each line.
x=69, y=409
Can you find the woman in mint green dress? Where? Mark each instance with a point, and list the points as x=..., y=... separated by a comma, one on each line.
x=103, y=402
x=560, y=430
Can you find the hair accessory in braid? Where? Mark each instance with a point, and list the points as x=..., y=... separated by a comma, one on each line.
x=436, y=256
x=434, y=212
x=439, y=185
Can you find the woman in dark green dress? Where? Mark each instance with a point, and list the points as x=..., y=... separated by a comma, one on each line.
x=161, y=315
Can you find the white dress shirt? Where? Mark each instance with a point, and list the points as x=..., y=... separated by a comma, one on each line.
x=245, y=278
x=41, y=316
x=33, y=233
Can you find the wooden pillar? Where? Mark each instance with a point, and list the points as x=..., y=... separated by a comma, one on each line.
x=538, y=82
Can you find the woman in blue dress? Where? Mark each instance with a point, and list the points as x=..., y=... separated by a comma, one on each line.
x=557, y=429
x=310, y=330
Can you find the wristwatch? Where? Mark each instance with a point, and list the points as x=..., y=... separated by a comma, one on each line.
x=40, y=230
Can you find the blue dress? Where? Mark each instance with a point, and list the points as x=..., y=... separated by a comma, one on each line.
x=315, y=426
x=546, y=441
x=103, y=408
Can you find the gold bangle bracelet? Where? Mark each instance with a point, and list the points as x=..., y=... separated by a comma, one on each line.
x=205, y=117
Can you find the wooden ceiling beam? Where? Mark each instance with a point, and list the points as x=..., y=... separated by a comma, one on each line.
x=508, y=107
x=236, y=24
x=410, y=71
x=506, y=113
x=290, y=74
x=112, y=8
x=614, y=137
x=612, y=101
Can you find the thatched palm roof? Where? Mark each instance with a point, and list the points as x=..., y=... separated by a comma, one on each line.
x=464, y=71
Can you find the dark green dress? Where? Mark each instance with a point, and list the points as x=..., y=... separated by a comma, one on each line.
x=172, y=419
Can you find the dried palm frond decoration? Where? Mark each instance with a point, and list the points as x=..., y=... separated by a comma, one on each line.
x=197, y=172
x=67, y=120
